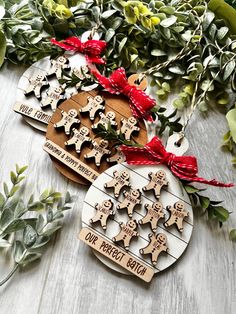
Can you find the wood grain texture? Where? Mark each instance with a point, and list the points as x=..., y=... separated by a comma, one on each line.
x=69, y=279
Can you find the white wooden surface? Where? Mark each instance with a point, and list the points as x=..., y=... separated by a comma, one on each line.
x=69, y=279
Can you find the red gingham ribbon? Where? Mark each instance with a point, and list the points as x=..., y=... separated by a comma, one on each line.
x=154, y=153
x=117, y=83
x=92, y=49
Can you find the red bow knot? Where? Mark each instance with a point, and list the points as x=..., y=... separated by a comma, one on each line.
x=117, y=83
x=154, y=153
x=92, y=49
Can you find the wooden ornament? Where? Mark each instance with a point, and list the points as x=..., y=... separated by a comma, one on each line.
x=43, y=66
x=128, y=127
x=132, y=198
x=117, y=158
x=103, y=212
x=98, y=151
x=111, y=253
x=177, y=214
x=127, y=232
x=79, y=138
x=57, y=65
x=94, y=104
x=118, y=104
x=106, y=119
x=36, y=83
x=156, y=245
x=67, y=120
x=157, y=181
x=119, y=181
x=154, y=214
x=53, y=96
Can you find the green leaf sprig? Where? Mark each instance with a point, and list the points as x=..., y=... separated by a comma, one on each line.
x=213, y=209
x=26, y=228
x=112, y=136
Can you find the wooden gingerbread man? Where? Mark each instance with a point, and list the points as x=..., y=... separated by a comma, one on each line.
x=157, y=181
x=118, y=182
x=118, y=157
x=82, y=72
x=103, y=212
x=99, y=149
x=54, y=95
x=105, y=119
x=57, y=66
x=79, y=138
x=132, y=198
x=68, y=119
x=177, y=214
x=35, y=85
x=156, y=245
x=127, y=232
x=93, y=106
x=128, y=127
x=154, y=213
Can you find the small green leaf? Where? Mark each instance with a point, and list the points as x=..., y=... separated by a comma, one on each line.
x=29, y=236
x=232, y=235
x=51, y=231
x=107, y=14
x=221, y=213
x=18, y=251
x=122, y=44
x=230, y=67
x=20, y=209
x=204, y=201
x=21, y=170
x=2, y=200
x=29, y=258
x=56, y=195
x=4, y=243
x=13, y=177
x=5, y=188
x=3, y=47
x=14, y=226
x=169, y=21
x=109, y=34
x=44, y=195
x=158, y=53
x=191, y=189
x=49, y=215
x=14, y=189
x=36, y=206
x=231, y=118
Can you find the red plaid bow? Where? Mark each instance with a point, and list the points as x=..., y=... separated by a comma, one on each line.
x=117, y=83
x=154, y=153
x=92, y=49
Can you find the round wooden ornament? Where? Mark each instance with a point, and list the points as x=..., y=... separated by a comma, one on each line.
x=137, y=263
x=34, y=106
x=116, y=104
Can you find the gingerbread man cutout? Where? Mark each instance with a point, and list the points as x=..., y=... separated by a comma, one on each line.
x=132, y=198
x=68, y=119
x=82, y=72
x=93, y=106
x=58, y=65
x=118, y=157
x=105, y=119
x=118, y=182
x=177, y=214
x=127, y=232
x=103, y=212
x=156, y=245
x=79, y=138
x=154, y=213
x=99, y=149
x=158, y=180
x=35, y=85
x=54, y=95
x=128, y=127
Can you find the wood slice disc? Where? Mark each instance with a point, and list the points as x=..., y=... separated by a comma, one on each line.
x=118, y=104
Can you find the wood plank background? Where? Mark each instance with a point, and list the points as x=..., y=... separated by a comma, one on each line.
x=69, y=279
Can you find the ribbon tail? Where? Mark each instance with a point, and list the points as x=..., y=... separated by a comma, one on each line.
x=96, y=60
x=63, y=45
x=212, y=182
